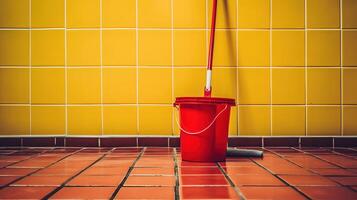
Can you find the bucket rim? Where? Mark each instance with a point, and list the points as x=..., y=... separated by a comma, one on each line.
x=204, y=100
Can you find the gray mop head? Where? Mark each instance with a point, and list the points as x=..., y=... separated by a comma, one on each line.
x=233, y=152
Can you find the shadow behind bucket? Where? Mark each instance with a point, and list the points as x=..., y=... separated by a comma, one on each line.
x=204, y=124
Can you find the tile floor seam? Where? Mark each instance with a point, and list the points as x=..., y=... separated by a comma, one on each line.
x=49, y=195
x=35, y=171
x=177, y=184
x=116, y=191
x=34, y=156
x=278, y=177
x=341, y=154
x=231, y=183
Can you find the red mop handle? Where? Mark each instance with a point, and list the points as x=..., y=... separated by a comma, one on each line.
x=208, y=87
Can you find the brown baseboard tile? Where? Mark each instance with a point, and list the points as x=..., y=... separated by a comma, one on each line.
x=60, y=142
x=118, y=142
x=81, y=142
x=10, y=142
x=345, y=141
x=38, y=141
x=316, y=142
x=153, y=142
x=174, y=142
x=281, y=142
x=245, y=142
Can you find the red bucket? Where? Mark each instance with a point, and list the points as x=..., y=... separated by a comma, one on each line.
x=204, y=123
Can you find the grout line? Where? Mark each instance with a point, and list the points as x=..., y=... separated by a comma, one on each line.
x=231, y=183
x=101, y=66
x=65, y=71
x=341, y=70
x=168, y=104
x=305, y=62
x=237, y=71
x=172, y=69
x=137, y=69
x=30, y=66
x=270, y=65
x=39, y=169
x=127, y=175
x=176, y=67
x=49, y=195
x=177, y=176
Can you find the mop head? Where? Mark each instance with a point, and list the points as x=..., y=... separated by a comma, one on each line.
x=233, y=152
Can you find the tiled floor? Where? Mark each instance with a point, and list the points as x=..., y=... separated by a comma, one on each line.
x=159, y=173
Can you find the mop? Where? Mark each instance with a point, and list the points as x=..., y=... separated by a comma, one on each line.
x=231, y=152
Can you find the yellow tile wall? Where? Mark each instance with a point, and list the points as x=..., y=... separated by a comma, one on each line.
x=110, y=67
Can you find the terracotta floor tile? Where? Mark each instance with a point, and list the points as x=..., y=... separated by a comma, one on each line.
x=41, y=181
x=203, y=180
x=105, y=171
x=237, y=163
x=300, y=180
x=195, y=164
x=288, y=170
x=271, y=193
x=146, y=193
x=256, y=180
x=334, y=172
x=328, y=193
x=57, y=171
x=96, y=181
x=150, y=181
x=214, y=192
x=25, y=192
x=155, y=163
x=4, y=180
x=347, y=181
x=199, y=170
x=84, y=193
x=311, y=162
x=152, y=171
x=16, y=171
x=245, y=170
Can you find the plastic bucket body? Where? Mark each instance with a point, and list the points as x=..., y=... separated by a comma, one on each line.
x=204, y=123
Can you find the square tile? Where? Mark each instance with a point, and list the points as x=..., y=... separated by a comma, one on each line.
x=288, y=14
x=349, y=14
x=349, y=86
x=146, y=193
x=14, y=120
x=83, y=47
x=84, y=120
x=216, y=192
x=14, y=47
x=225, y=48
x=232, y=170
x=47, y=47
x=226, y=14
x=106, y=170
x=48, y=86
x=25, y=192
x=288, y=120
x=119, y=120
x=253, y=14
x=14, y=14
x=41, y=181
x=4, y=180
x=155, y=47
x=318, y=78
x=323, y=120
x=253, y=86
x=288, y=47
x=323, y=14
x=256, y=180
x=187, y=81
x=189, y=14
x=154, y=13
x=155, y=120
x=14, y=86
x=119, y=85
x=254, y=120
x=84, y=85
x=119, y=47
x=96, y=181
x=83, y=13
x=276, y=193
x=333, y=172
x=301, y=180
x=84, y=193
x=150, y=181
x=199, y=170
x=203, y=180
x=49, y=14
x=349, y=43
x=190, y=47
x=349, y=125
x=323, y=48
x=288, y=86
x=155, y=85
x=152, y=171
x=253, y=48
x=346, y=181
x=117, y=14
x=328, y=192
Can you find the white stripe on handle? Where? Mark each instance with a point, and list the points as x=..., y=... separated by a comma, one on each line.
x=208, y=79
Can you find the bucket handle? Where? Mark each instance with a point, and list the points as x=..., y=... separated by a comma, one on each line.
x=203, y=130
